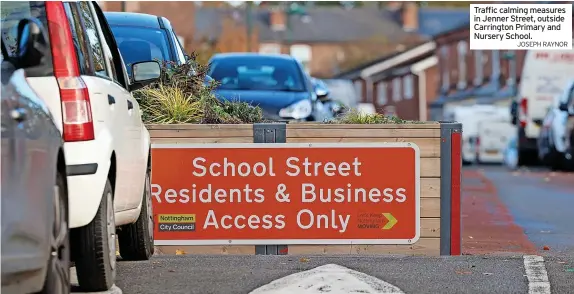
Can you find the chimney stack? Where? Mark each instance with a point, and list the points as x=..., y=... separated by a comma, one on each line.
x=278, y=19
x=410, y=16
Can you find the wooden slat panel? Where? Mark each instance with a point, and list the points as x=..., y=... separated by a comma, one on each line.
x=430, y=227
x=362, y=133
x=200, y=127
x=430, y=187
x=430, y=167
x=203, y=140
x=430, y=207
x=216, y=249
x=306, y=125
x=430, y=147
x=424, y=246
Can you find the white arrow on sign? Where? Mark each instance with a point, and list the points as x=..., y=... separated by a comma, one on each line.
x=330, y=278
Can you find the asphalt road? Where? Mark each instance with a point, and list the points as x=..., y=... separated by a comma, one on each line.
x=517, y=233
x=242, y=274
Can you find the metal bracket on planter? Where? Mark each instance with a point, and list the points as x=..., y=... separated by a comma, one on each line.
x=270, y=133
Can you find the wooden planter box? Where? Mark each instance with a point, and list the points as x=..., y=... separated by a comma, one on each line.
x=440, y=162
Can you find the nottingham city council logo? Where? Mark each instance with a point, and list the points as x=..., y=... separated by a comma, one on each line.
x=176, y=222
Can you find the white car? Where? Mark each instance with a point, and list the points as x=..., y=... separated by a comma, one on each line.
x=106, y=145
x=510, y=158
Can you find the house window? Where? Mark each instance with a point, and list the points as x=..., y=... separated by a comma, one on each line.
x=382, y=93
x=478, y=67
x=445, y=69
x=408, y=87
x=462, y=52
x=270, y=48
x=303, y=54
x=397, y=89
x=359, y=89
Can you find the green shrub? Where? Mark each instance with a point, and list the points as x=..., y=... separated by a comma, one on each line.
x=178, y=97
x=353, y=116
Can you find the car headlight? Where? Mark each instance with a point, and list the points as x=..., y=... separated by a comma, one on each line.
x=298, y=110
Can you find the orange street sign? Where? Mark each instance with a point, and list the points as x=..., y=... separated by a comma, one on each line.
x=263, y=194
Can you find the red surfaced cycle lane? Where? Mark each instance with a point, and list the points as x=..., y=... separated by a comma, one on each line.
x=487, y=225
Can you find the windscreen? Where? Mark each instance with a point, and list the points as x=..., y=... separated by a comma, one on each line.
x=266, y=74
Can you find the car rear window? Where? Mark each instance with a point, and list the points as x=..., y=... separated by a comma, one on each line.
x=14, y=11
x=139, y=44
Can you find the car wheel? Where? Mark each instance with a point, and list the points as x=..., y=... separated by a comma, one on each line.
x=95, y=247
x=58, y=269
x=555, y=159
x=136, y=240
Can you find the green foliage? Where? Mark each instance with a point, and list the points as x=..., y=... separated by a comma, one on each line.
x=180, y=97
x=354, y=116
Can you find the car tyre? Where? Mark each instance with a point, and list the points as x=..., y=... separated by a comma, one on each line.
x=136, y=240
x=58, y=269
x=556, y=160
x=95, y=247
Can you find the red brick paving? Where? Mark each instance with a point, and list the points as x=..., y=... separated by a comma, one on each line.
x=487, y=226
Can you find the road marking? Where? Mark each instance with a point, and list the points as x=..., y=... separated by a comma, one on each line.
x=330, y=278
x=536, y=273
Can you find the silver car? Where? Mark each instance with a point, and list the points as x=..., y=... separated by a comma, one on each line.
x=35, y=234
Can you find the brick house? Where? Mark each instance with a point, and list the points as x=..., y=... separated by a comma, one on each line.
x=232, y=33
x=405, y=82
x=325, y=39
x=401, y=84
x=477, y=76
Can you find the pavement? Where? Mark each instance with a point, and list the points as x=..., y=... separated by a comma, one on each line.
x=518, y=237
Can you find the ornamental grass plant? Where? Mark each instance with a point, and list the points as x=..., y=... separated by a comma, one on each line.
x=181, y=96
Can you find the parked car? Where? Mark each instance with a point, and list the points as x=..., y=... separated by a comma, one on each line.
x=277, y=83
x=510, y=158
x=470, y=116
x=143, y=37
x=343, y=91
x=492, y=138
x=35, y=234
x=569, y=154
x=552, y=139
x=544, y=75
x=107, y=148
x=324, y=95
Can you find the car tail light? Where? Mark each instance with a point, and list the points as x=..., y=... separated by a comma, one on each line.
x=76, y=110
x=522, y=111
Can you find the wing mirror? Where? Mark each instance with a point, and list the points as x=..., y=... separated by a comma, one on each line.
x=322, y=93
x=31, y=44
x=144, y=73
x=563, y=107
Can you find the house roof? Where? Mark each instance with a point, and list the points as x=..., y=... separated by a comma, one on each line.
x=388, y=61
x=434, y=21
x=320, y=24
x=336, y=24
